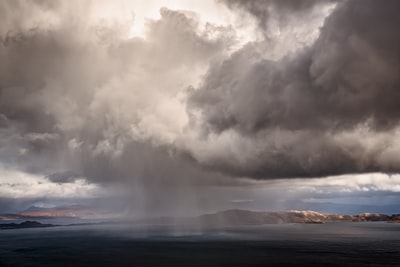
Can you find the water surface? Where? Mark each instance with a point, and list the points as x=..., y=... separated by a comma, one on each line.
x=331, y=244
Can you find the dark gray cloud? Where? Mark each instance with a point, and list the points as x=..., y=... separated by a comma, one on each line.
x=280, y=12
x=329, y=108
x=63, y=177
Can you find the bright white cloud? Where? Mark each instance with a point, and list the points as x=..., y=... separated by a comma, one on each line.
x=335, y=185
x=18, y=184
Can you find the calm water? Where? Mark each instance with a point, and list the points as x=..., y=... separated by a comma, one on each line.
x=332, y=244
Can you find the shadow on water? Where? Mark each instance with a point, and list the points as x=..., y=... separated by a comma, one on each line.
x=353, y=244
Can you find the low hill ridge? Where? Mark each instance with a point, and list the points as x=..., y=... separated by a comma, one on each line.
x=247, y=217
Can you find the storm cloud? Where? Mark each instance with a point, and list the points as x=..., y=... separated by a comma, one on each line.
x=328, y=108
x=81, y=96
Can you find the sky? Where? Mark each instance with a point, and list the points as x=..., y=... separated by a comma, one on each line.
x=182, y=107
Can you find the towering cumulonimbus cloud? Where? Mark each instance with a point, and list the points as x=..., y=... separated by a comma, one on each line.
x=81, y=97
x=329, y=108
x=79, y=94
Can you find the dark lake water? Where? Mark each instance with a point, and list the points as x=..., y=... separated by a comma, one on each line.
x=331, y=244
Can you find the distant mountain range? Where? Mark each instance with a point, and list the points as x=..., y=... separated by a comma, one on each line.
x=224, y=218
x=70, y=211
x=26, y=224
